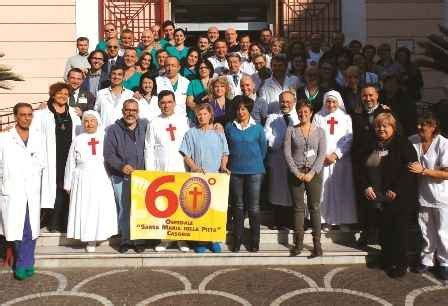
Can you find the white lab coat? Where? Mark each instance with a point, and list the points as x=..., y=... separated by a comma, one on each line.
x=161, y=151
x=275, y=130
x=148, y=110
x=21, y=170
x=271, y=90
x=110, y=110
x=163, y=83
x=44, y=123
x=235, y=89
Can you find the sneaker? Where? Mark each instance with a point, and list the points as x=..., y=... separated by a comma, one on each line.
x=21, y=274
x=215, y=247
x=183, y=247
x=201, y=249
x=90, y=247
x=30, y=271
x=443, y=273
x=163, y=245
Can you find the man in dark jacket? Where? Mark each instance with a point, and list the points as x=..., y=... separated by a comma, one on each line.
x=81, y=99
x=363, y=132
x=124, y=147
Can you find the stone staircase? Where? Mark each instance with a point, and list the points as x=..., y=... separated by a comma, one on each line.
x=54, y=250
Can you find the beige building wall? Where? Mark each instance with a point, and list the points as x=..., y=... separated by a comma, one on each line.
x=407, y=20
x=37, y=36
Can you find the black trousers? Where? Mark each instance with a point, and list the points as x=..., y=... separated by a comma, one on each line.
x=3, y=246
x=58, y=217
x=394, y=233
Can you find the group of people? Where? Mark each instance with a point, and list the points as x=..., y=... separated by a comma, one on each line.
x=327, y=130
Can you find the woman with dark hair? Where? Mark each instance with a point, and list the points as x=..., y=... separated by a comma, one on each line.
x=190, y=64
x=432, y=171
x=391, y=189
x=305, y=148
x=179, y=50
x=205, y=150
x=369, y=52
x=411, y=76
x=147, y=97
x=144, y=63
x=197, y=91
x=254, y=50
x=247, y=147
x=59, y=125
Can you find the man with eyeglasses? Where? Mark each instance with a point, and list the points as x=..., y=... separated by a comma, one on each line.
x=109, y=101
x=79, y=60
x=110, y=31
x=113, y=58
x=96, y=78
x=124, y=147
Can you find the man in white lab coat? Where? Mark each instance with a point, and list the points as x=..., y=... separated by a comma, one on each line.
x=109, y=101
x=275, y=129
x=175, y=83
x=22, y=160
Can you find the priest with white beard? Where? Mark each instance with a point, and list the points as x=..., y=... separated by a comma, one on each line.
x=23, y=157
x=338, y=205
x=174, y=82
x=163, y=139
x=275, y=129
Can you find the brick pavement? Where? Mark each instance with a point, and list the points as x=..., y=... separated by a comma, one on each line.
x=291, y=285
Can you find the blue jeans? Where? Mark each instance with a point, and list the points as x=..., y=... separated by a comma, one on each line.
x=245, y=195
x=122, y=192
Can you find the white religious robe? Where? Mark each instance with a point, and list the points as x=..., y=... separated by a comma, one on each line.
x=162, y=143
x=92, y=213
x=110, y=109
x=163, y=83
x=44, y=123
x=275, y=130
x=21, y=168
x=148, y=109
x=271, y=90
x=338, y=204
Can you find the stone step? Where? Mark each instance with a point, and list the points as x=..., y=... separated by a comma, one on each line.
x=269, y=254
x=266, y=236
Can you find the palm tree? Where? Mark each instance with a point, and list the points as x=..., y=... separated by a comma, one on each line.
x=435, y=51
x=7, y=75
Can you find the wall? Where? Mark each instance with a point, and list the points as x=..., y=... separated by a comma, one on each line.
x=37, y=36
x=389, y=20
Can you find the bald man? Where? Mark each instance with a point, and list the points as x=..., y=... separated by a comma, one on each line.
x=213, y=34
x=232, y=40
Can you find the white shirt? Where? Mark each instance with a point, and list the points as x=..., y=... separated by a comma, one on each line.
x=110, y=107
x=164, y=83
x=242, y=128
x=432, y=192
x=219, y=65
x=271, y=90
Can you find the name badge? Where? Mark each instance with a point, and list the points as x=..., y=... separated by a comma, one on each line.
x=383, y=153
x=82, y=100
x=310, y=153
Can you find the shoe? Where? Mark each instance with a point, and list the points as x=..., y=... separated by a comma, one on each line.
x=325, y=227
x=139, y=248
x=215, y=247
x=30, y=271
x=317, y=248
x=201, y=249
x=298, y=244
x=90, y=247
x=183, y=247
x=362, y=242
x=236, y=247
x=21, y=273
x=421, y=268
x=163, y=245
x=123, y=248
x=396, y=272
x=443, y=272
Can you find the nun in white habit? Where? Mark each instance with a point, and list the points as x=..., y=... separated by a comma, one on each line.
x=92, y=214
x=338, y=204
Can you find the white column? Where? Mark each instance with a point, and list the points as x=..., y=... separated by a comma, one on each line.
x=87, y=21
x=354, y=20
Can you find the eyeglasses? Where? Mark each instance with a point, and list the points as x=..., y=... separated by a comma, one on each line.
x=109, y=30
x=112, y=47
x=128, y=111
x=203, y=67
x=98, y=58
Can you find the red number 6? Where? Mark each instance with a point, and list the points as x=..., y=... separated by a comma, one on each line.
x=152, y=194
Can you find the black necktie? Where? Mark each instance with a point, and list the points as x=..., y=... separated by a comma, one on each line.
x=286, y=117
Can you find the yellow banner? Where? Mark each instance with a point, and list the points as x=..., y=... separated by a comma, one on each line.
x=179, y=206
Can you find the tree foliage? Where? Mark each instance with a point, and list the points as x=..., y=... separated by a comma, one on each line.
x=435, y=51
x=7, y=76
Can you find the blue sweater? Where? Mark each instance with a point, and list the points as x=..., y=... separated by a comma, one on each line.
x=247, y=149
